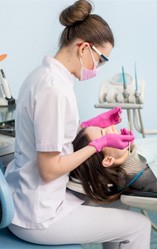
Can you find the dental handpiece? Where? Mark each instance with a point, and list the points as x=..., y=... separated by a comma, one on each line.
x=125, y=92
x=126, y=95
x=4, y=85
x=6, y=89
x=129, y=146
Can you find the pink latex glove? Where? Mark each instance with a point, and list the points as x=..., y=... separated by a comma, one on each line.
x=105, y=119
x=124, y=131
x=112, y=140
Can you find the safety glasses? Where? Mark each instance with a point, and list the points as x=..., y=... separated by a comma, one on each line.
x=102, y=59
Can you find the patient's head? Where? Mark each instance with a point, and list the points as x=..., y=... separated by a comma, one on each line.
x=112, y=156
x=101, y=175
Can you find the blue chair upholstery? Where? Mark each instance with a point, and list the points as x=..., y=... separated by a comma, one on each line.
x=9, y=240
x=6, y=202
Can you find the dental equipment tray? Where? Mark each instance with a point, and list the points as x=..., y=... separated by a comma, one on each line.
x=8, y=128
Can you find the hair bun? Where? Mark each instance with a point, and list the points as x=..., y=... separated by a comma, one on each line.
x=75, y=13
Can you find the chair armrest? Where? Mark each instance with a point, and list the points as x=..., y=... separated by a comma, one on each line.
x=142, y=200
x=143, y=194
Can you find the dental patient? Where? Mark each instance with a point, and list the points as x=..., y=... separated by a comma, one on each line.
x=109, y=173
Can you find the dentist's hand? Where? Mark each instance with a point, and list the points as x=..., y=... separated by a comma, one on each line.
x=117, y=141
x=124, y=131
x=105, y=119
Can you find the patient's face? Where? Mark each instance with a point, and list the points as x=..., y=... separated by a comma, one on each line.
x=94, y=132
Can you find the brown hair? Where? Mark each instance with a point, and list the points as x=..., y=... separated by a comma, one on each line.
x=80, y=23
x=96, y=179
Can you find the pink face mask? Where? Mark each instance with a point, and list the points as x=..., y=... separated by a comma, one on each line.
x=88, y=73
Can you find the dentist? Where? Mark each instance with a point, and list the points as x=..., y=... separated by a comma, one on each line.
x=47, y=122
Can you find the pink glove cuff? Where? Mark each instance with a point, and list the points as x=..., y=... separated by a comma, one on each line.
x=97, y=143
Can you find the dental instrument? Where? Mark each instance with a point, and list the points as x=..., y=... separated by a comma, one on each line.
x=129, y=147
x=136, y=86
x=138, y=100
x=5, y=92
x=126, y=95
x=125, y=92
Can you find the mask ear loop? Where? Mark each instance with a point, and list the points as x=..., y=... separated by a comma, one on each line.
x=91, y=52
x=81, y=62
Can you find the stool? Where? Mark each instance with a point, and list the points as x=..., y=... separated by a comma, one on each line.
x=9, y=240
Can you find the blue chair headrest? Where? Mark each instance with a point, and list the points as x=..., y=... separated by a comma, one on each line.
x=6, y=202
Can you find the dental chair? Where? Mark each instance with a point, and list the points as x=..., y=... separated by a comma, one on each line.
x=9, y=240
x=128, y=92
x=145, y=201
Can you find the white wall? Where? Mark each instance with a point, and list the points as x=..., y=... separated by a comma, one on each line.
x=30, y=29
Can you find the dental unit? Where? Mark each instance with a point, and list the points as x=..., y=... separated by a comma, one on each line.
x=127, y=92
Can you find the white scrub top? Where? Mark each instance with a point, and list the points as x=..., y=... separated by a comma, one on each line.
x=46, y=120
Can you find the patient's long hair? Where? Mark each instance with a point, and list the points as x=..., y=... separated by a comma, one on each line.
x=101, y=184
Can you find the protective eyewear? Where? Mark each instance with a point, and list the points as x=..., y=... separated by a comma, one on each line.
x=103, y=59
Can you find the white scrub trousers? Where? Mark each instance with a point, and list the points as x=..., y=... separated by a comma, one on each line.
x=88, y=224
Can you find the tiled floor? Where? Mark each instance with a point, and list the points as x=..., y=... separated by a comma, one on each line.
x=153, y=217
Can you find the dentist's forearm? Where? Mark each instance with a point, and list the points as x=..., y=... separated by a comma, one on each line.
x=52, y=165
